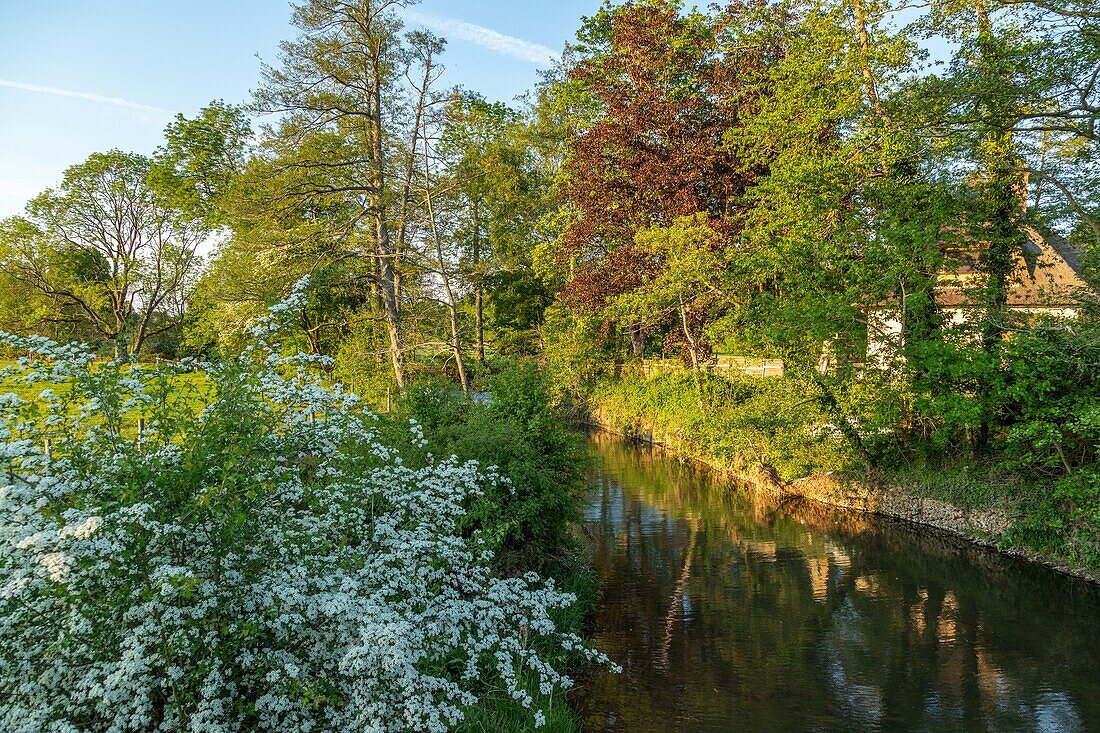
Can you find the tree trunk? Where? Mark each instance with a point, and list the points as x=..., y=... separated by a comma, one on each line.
x=637, y=340
x=869, y=83
x=455, y=344
x=1000, y=206
x=410, y=165
x=693, y=350
x=452, y=305
x=997, y=259
x=479, y=305
x=391, y=310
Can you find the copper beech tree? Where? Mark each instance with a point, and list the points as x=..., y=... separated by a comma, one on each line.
x=661, y=89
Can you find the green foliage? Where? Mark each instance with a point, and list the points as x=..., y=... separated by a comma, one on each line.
x=200, y=158
x=947, y=412
x=519, y=299
x=1062, y=518
x=573, y=351
x=694, y=270
x=1051, y=397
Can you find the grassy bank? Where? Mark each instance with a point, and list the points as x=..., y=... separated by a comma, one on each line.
x=189, y=390
x=784, y=426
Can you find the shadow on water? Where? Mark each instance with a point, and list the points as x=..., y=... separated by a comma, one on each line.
x=728, y=614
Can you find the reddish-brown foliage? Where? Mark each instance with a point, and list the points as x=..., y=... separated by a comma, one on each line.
x=668, y=93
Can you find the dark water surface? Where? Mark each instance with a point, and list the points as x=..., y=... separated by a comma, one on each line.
x=730, y=615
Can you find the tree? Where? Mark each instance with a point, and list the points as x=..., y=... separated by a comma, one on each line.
x=25, y=309
x=342, y=154
x=691, y=275
x=655, y=91
x=486, y=153
x=845, y=219
x=108, y=250
x=200, y=158
x=1059, y=124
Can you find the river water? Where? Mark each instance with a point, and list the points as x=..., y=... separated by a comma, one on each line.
x=728, y=614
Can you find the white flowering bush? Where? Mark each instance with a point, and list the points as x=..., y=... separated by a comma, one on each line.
x=252, y=561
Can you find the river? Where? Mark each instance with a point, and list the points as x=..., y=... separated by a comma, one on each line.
x=728, y=614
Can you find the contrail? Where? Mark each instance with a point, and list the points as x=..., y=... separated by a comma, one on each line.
x=482, y=36
x=98, y=98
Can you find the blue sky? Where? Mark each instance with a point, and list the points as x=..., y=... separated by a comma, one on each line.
x=77, y=76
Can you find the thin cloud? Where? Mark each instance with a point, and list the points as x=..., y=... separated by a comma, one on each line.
x=97, y=98
x=482, y=36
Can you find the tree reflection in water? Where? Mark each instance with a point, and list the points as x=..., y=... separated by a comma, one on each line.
x=728, y=614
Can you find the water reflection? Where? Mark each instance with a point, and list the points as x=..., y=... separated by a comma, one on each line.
x=730, y=615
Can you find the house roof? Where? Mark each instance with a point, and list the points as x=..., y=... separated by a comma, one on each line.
x=1046, y=273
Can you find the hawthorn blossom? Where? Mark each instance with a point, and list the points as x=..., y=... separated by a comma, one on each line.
x=258, y=563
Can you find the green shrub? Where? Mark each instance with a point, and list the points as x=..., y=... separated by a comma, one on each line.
x=526, y=522
x=1050, y=410
x=520, y=430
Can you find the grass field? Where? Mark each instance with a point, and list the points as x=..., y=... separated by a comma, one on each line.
x=191, y=390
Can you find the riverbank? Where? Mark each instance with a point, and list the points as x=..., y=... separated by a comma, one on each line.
x=991, y=527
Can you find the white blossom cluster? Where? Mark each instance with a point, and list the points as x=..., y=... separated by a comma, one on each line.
x=261, y=563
